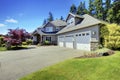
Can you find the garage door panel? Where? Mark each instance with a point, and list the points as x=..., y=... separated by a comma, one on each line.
x=81, y=46
x=69, y=44
x=83, y=41
x=61, y=41
x=69, y=41
x=61, y=44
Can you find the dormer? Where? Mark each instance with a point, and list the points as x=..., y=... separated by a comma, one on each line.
x=73, y=19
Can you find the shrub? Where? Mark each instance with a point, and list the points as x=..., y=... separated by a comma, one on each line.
x=111, y=38
x=29, y=41
x=24, y=43
x=47, y=42
x=1, y=41
x=3, y=45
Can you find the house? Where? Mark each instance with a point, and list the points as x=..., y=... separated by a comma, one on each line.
x=78, y=32
x=48, y=32
x=81, y=32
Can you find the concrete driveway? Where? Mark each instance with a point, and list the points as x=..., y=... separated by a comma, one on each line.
x=16, y=64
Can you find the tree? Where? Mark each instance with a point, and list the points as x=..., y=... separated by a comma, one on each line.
x=16, y=37
x=81, y=9
x=61, y=18
x=73, y=9
x=114, y=12
x=50, y=18
x=44, y=22
x=91, y=7
x=99, y=9
x=106, y=8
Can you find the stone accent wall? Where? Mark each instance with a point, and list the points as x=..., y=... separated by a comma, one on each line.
x=94, y=46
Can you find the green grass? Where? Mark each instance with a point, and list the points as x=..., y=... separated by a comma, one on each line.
x=3, y=49
x=102, y=68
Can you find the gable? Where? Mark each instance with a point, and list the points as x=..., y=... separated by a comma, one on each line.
x=69, y=17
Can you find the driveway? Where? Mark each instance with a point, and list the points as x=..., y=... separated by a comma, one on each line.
x=16, y=64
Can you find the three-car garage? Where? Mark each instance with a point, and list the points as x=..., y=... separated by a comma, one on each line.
x=79, y=40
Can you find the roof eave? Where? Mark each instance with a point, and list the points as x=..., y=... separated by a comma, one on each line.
x=78, y=28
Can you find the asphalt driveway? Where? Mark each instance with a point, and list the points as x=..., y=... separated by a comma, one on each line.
x=15, y=64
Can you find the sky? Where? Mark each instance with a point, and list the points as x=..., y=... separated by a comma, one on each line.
x=29, y=14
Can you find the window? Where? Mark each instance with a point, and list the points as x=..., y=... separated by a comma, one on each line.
x=49, y=29
x=48, y=38
x=83, y=34
x=87, y=33
x=76, y=34
x=57, y=28
x=70, y=21
x=79, y=34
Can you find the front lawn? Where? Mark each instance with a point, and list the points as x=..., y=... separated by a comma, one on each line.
x=102, y=68
x=3, y=49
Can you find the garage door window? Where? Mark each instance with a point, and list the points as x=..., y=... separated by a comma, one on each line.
x=83, y=34
x=87, y=34
x=79, y=34
x=76, y=34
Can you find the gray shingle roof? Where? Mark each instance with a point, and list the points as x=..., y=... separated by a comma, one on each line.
x=58, y=23
x=87, y=22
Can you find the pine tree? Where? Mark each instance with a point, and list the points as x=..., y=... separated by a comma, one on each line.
x=61, y=18
x=99, y=9
x=91, y=7
x=44, y=22
x=73, y=9
x=114, y=12
x=82, y=9
x=50, y=18
x=106, y=8
x=85, y=11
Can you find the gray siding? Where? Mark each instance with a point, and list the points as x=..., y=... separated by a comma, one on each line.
x=93, y=29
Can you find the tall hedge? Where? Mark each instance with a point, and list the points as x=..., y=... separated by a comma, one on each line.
x=111, y=35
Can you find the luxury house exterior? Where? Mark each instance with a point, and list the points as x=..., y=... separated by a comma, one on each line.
x=48, y=32
x=78, y=32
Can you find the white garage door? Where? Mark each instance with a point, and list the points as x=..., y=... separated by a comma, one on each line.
x=61, y=41
x=69, y=41
x=83, y=41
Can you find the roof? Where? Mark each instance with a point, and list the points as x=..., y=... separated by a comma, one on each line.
x=87, y=22
x=39, y=31
x=74, y=15
x=58, y=23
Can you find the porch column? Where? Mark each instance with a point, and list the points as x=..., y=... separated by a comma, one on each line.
x=41, y=39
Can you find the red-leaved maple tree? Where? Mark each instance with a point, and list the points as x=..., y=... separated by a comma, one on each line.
x=16, y=36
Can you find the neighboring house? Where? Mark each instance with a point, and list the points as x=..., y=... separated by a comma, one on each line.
x=78, y=32
x=48, y=32
x=81, y=32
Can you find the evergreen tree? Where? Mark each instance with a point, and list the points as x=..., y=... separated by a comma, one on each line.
x=91, y=7
x=50, y=18
x=114, y=12
x=61, y=18
x=81, y=9
x=99, y=9
x=85, y=11
x=44, y=22
x=106, y=8
x=73, y=9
